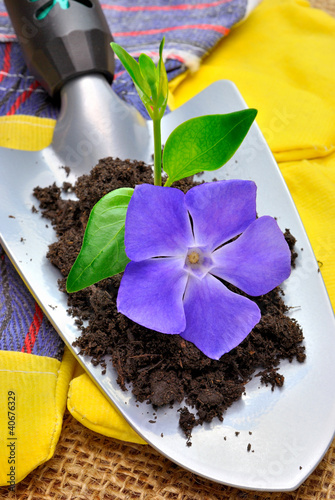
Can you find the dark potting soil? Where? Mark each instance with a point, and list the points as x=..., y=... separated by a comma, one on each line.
x=162, y=369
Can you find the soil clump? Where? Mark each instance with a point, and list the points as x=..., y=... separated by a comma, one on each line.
x=162, y=369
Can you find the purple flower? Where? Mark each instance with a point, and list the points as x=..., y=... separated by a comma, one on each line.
x=180, y=244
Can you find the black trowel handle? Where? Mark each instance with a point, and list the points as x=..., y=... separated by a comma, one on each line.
x=62, y=42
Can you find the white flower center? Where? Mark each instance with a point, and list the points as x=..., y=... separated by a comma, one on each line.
x=198, y=262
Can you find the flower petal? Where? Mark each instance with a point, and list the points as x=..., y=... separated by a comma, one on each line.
x=151, y=294
x=221, y=210
x=217, y=320
x=157, y=223
x=258, y=261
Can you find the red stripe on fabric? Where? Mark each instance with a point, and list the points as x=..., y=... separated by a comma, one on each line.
x=6, y=62
x=3, y=14
x=176, y=57
x=117, y=75
x=22, y=98
x=30, y=339
x=164, y=7
x=209, y=27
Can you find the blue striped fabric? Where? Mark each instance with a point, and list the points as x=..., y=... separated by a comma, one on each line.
x=23, y=326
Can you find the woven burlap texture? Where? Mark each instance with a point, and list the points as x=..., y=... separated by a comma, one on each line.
x=87, y=465
x=326, y=5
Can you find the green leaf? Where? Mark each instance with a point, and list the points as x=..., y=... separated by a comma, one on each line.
x=204, y=143
x=163, y=89
x=133, y=68
x=103, y=252
x=149, y=73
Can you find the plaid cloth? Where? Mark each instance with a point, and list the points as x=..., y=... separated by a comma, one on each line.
x=23, y=326
x=191, y=30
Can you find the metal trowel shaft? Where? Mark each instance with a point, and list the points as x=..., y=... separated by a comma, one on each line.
x=68, y=50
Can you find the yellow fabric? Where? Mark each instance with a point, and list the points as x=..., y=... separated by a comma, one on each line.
x=282, y=60
x=33, y=393
x=26, y=132
x=312, y=185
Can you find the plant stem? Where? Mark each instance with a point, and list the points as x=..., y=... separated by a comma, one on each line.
x=157, y=152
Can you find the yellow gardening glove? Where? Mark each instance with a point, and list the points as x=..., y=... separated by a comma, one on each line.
x=35, y=372
x=90, y=407
x=282, y=61
x=33, y=392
